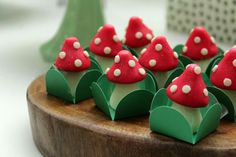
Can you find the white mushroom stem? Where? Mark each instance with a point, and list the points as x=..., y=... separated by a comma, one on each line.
x=73, y=79
x=192, y=115
x=104, y=62
x=232, y=95
x=161, y=78
x=120, y=91
x=203, y=63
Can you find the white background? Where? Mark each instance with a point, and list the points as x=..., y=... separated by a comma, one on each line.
x=24, y=26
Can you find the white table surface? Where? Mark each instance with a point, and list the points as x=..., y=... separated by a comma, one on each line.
x=24, y=26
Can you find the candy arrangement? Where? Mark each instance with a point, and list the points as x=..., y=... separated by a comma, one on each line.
x=187, y=90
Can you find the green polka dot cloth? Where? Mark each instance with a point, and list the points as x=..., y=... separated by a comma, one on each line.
x=217, y=16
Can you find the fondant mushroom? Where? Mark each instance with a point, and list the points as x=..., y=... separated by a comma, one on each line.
x=126, y=72
x=159, y=58
x=72, y=61
x=200, y=47
x=72, y=56
x=137, y=34
x=188, y=93
x=223, y=75
x=105, y=45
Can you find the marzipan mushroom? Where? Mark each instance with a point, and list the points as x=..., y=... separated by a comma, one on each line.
x=105, y=45
x=189, y=93
x=160, y=59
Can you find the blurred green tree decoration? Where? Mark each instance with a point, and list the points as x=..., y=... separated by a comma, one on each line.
x=82, y=19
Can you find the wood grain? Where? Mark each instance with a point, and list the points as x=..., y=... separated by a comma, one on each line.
x=65, y=130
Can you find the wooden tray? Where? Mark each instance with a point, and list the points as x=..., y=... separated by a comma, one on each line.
x=65, y=130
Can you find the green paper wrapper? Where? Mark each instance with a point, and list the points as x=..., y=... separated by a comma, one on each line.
x=168, y=121
x=71, y=87
x=135, y=103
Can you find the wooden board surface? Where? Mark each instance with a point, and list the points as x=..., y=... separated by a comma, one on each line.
x=64, y=130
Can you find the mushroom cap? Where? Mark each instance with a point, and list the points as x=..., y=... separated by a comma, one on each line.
x=137, y=33
x=189, y=88
x=224, y=74
x=159, y=56
x=72, y=56
x=106, y=42
x=125, y=69
x=200, y=45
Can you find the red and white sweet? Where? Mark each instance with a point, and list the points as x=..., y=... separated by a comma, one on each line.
x=126, y=69
x=189, y=93
x=224, y=74
x=200, y=46
x=137, y=33
x=159, y=58
x=72, y=57
x=125, y=72
x=105, y=45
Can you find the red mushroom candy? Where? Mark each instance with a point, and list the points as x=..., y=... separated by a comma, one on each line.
x=73, y=62
x=159, y=58
x=189, y=93
x=126, y=72
x=72, y=57
x=200, y=47
x=105, y=45
x=224, y=75
x=137, y=34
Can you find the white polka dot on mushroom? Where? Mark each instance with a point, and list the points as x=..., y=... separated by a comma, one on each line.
x=185, y=49
x=62, y=55
x=188, y=66
x=153, y=39
x=143, y=51
x=76, y=45
x=135, y=58
x=100, y=28
x=86, y=53
x=152, y=62
x=234, y=62
x=213, y=40
x=197, y=40
x=106, y=71
x=214, y=68
x=191, y=31
x=176, y=55
x=138, y=35
x=174, y=79
x=141, y=71
x=117, y=72
x=226, y=52
x=131, y=63
x=115, y=38
x=158, y=47
x=173, y=88
x=107, y=50
x=97, y=41
x=197, y=70
x=117, y=59
x=149, y=36
x=205, y=92
x=186, y=89
x=227, y=82
x=204, y=51
x=78, y=63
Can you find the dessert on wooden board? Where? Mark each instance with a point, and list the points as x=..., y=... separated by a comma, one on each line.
x=186, y=101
